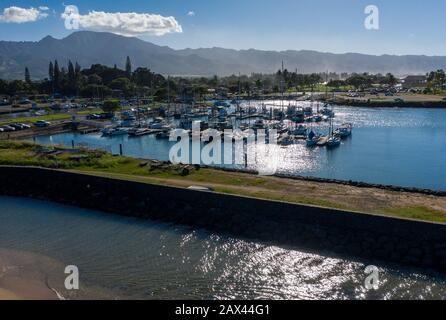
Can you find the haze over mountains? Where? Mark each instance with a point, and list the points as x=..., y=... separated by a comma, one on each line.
x=88, y=48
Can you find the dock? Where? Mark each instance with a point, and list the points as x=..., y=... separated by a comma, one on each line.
x=88, y=131
x=322, y=141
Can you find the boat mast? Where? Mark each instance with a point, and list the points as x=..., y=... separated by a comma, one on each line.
x=282, y=87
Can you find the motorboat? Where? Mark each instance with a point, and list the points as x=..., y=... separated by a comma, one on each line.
x=137, y=132
x=344, y=130
x=114, y=131
x=286, y=140
x=333, y=141
x=299, y=131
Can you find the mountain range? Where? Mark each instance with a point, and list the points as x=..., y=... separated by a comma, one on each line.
x=88, y=48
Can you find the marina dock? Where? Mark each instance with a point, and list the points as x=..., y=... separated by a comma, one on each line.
x=322, y=141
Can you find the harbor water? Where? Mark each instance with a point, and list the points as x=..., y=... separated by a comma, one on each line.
x=391, y=146
x=120, y=257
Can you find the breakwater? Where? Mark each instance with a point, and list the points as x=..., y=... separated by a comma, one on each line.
x=351, y=183
x=406, y=242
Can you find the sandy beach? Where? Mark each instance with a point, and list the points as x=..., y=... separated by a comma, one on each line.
x=25, y=276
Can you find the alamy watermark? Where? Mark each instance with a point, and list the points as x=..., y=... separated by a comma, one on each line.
x=72, y=280
x=71, y=17
x=371, y=282
x=371, y=22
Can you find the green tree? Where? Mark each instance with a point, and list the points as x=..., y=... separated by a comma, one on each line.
x=161, y=94
x=94, y=79
x=128, y=67
x=143, y=77
x=51, y=72
x=389, y=79
x=336, y=83
x=111, y=106
x=3, y=86
x=436, y=80
x=359, y=81
x=121, y=84
x=214, y=81
x=56, y=77
x=77, y=69
x=71, y=78
x=27, y=76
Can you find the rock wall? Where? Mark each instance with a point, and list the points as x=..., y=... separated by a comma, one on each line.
x=407, y=242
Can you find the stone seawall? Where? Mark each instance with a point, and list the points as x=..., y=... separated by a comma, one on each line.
x=352, y=234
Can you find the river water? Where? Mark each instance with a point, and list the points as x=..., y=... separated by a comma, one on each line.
x=399, y=146
x=126, y=258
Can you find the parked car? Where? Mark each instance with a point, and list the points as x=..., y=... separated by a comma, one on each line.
x=106, y=115
x=20, y=126
x=16, y=126
x=7, y=128
x=41, y=123
x=93, y=117
x=25, y=126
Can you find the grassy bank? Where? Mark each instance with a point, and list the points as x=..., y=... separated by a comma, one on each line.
x=28, y=120
x=392, y=203
x=49, y=117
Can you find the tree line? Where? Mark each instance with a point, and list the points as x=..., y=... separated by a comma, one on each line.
x=100, y=81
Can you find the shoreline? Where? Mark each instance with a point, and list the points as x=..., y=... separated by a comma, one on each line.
x=24, y=276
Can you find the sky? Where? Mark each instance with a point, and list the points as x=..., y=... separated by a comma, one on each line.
x=338, y=26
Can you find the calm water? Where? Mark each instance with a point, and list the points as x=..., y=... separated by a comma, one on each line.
x=129, y=258
x=405, y=147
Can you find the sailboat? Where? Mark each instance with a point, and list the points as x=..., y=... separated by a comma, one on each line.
x=333, y=140
x=312, y=139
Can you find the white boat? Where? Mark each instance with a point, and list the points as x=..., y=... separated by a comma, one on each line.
x=41, y=113
x=316, y=118
x=299, y=131
x=345, y=130
x=137, y=132
x=333, y=142
x=114, y=131
x=286, y=140
x=326, y=111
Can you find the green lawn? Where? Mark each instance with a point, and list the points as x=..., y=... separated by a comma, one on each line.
x=417, y=213
x=54, y=117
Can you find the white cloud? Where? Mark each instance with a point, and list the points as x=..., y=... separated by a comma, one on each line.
x=191, y=13
x=44, y=8
x=128, y=24
x=22, y=15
